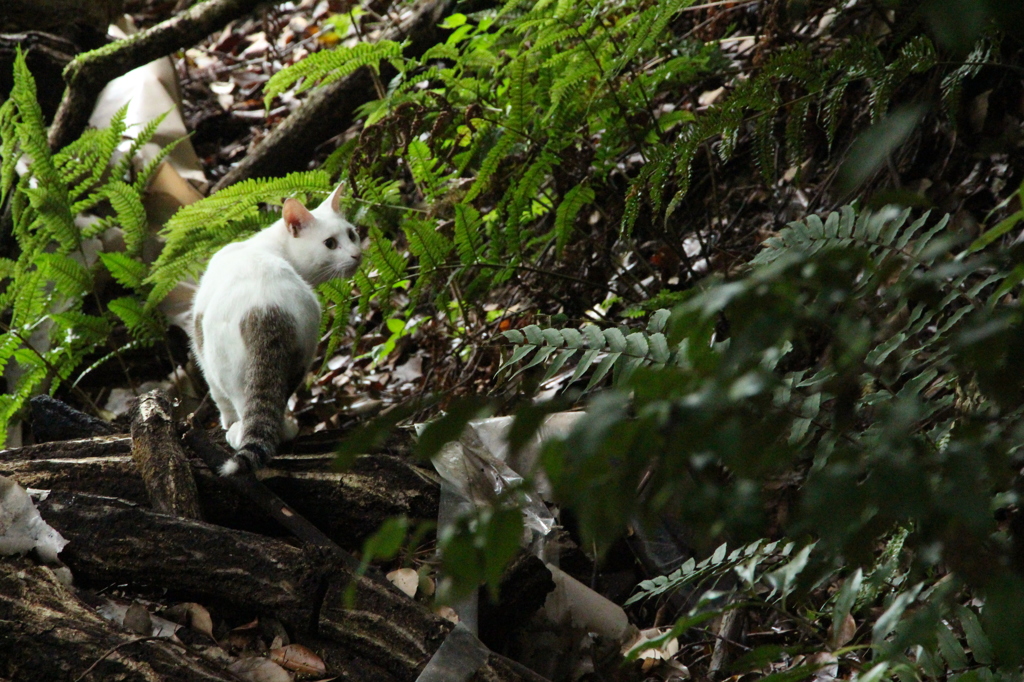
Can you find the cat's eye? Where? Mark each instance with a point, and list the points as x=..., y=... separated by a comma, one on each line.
x=331, y=243
x=351, y=234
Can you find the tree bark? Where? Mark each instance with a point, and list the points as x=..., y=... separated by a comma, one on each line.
x=348, y=506
x=330, y=110
x=87, y=75
x=162, y=463
x=47, y=633
x=245, y=574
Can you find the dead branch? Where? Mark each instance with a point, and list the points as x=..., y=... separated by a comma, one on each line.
x=160, y=459
x=330, y=110
x=88, y=74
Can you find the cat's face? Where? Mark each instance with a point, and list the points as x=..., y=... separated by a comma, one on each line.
x=321, y=243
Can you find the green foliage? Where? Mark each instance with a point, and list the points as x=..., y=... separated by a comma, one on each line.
x=852, y=345
x=513, y=126
x=328, y=66
x=923, y=618
x=477, y=549
x=47, y=332
x=611, y=349
x=493, y=128
x=872, y=357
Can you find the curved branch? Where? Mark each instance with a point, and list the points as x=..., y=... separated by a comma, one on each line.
x=89, y=73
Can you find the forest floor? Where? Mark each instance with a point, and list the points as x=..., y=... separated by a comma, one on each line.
x=970, y=172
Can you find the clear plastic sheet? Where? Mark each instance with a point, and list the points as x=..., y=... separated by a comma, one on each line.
x=457, y=659
x=481, y=478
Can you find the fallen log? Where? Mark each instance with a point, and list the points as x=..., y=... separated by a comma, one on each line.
x=347, y=506
x=54, y=420
x=47, y=633
x=245, y=574
x=112, y=445
x=160, y=459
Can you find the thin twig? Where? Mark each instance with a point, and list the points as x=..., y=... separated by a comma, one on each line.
x=112, y=649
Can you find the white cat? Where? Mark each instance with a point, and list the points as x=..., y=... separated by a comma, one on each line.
x=256, y=320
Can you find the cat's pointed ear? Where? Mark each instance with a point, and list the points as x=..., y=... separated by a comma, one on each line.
x=336, y=199
x=296, y=216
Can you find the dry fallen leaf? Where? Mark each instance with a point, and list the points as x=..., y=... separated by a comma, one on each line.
x=651, y=657
x=259, y=670
x=138, y=620
x=298, y=658
x=405, y=579
x=194, y=615
x=841, y=636
x=827, y=666
x=427, y=585
x=448, y=613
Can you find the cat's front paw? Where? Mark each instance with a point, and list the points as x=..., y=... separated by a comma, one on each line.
x=234, y=435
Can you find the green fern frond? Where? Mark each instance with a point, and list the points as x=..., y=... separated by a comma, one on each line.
x=144, y=325
x=952, y=83
x=495, y=155
x=130, y=213
x=427, y=244
x=426, y=170
x=121, y=170
x=605, y=351
x=468, y=238
x=327, y=66
x=127, y=271
x=69, y=276
x=519, y=93
x=881, y=233
x=87, y=331
x=338, y=295
x=8, y=147
x=917, y=56
x=648, y=28
x=565, y=217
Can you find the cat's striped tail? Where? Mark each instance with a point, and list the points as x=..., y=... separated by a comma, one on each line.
x=275, y=367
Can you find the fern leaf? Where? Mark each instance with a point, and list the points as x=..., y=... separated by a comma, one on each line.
x=330, y=65
x=565, y=217
x=69, y=276
x=130, y=212
x=495, y=156
x=126, y=270
x=952, y=84
x=468, y=240
x=86, y=330
x=145, y=134
x=144, y=325
x=427, y=244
